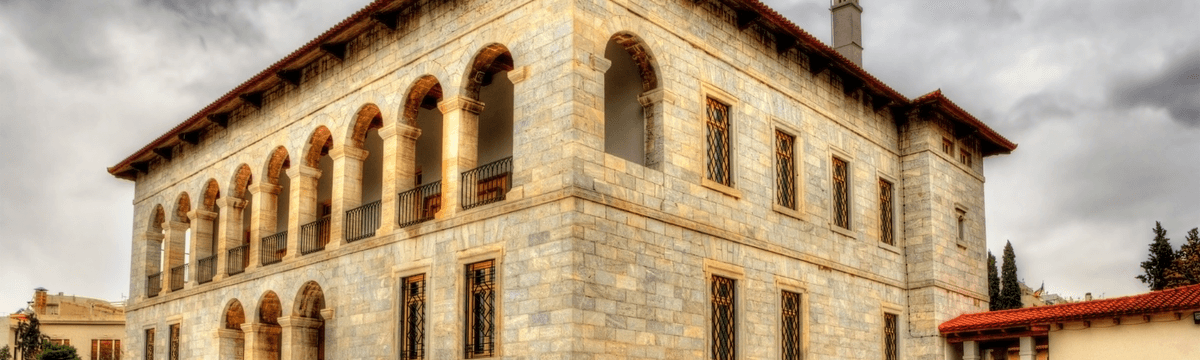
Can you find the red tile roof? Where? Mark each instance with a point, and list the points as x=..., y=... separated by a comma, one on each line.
x=1177, y=299
x=999, y=145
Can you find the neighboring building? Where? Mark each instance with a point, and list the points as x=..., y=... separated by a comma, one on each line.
x=94, y=327
x=1161, y=325
x=550, y=179
x=1039, y=297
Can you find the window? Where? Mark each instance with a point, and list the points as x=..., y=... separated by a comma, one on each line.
x=785, y=170
x=106, y=349
x=723, y=321
x=961, y=220
x=964, y=157
x=793, y=330
x=718, y=142
x=60, y=342
x=886, y=213
x=413, y=318
x=948, y=146
x=149, y=344
x=890, y=344
x=480, y=304
x=173, y=345
x=841, y=193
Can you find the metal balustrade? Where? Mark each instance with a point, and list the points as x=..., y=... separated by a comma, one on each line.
x=206, y=269
x=273, y=248
x=153, y=284
x=361, y=222
x=236, y=259
x=314, y=236
x=419, y=204
x=486, y=184
x=178, y=275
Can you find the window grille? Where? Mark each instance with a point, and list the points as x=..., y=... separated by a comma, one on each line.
x=153, y=284
x=149, y=344
x=841, y=194
x=173, y=349
x=413, y=318
x=886, y=221
x=106, y=349
x=785, y=174
x=481, y=316
x=947, y=146
x=793, y=335
x=718, y=142
x=723, y=321
x=890, y=346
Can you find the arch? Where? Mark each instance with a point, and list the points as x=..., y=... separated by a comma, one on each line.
x=310, y=300
x=212, y=192
x=491, y=59
x=157, y=218
x=234, y=315
x=183, y=205
x=278, y=161
x=242, y=178
x=642, y=57
x=319, y=144
x=425, y=93
x=368, y=117
x=269, y=309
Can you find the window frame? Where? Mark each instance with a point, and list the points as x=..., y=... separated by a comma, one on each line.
x=711, y=92
x=893, y=211
x=797, y=172
x=469, y=313
x=174, y=340
x=883, y=335
x=849, y=196
x=97, y=349
x=962, y=226
x=403, y=312
x=148, y=338
x=714, y=268
x=783, y=285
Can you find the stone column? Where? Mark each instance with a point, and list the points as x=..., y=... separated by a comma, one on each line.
x=151, y=259
x=202, y=233
x=347, y=189
x=175, y=233
x=300, y=337
x=652, y=109
x=263, y=218
x=970, y=350
x=303, y=204
x=229, y=342
x=260, y=341
x=523, y=95
x=460, y=148
x=1027, y=351
x=399, y=171
x=230, y=235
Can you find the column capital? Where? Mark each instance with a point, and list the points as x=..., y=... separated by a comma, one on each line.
x=327, y=314
x=147, y=236
x=460, y=103
x=303, y=171
x=299, y=322
x=201, y=214
x=598, y=63
x=264, y=187
x=348, y=152
x=404, y=130
x=521, y=73
x=176, y=226
x=224, y=333
x=231, y=203
x=651, y=97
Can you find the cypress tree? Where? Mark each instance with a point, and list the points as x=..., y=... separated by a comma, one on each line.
x=1162, y=258
x=1186, y=268
x=993, y=283
x=1010, y=292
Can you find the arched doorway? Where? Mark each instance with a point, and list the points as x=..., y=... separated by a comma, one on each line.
x=230, y=336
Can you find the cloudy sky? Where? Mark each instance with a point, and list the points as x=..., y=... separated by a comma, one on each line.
x=1103, y=97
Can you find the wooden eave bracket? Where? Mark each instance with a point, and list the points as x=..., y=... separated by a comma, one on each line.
x=850, y=83
x=219, y=119
x=255, y=99
x=817, y=64
x=190, y=137
x=337, y=49
x=390, y=18
x=746, y=17
x=880, y=101
x=291, y=76
x=784, y=42
x=163, y=152
x=141, y=166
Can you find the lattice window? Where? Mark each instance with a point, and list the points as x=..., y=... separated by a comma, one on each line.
x=718, y=142
x=841, y=193
x=106, y=349
x=890, y=344
x=173, y=345
x=413, y=326
x=723, y=318
x=481, y=315
x=149, y=344
x=948, y=146
x=886, y=213
x=785, y=170
x=793, y=327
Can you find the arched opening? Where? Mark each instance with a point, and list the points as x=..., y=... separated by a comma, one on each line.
x=232, y=339
x=154, y=249
x=204, y=233
x=489, y=85
x=274, y=203
x=308, y=325
x=421, y=112
x=237, y=238
x=363, y=164
x=629, y=109
x=179, y=238
x=315, y=192
x=268, y=339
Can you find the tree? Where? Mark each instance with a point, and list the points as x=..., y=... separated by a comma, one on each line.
x=4, y=354
x=29, y=337
x=58, y=352
x=1162, y=257
x=1185, y=270
x=993, y=283
x=1010, y=291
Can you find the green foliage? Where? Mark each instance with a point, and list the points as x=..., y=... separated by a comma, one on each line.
x=1162, y=258
x=993, y=283
x=29, y=337
x=1010, y=292
x=5, y=354
x=1185, y=270
x=58, y=352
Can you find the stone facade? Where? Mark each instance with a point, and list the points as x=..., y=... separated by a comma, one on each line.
x=597, y=256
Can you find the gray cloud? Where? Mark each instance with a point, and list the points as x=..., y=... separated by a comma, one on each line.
x=1176, y=88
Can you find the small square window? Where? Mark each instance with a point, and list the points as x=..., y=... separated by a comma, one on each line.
x=964, y=157
x=948, y=146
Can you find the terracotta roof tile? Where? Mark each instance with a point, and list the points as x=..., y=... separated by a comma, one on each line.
x=1180, y=298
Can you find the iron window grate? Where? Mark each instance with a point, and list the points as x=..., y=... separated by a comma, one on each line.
x=149, y=355
x=886, y=213
x=723, y=318
x=718, y=142
x=414, y=318
x=889, y=337
x=841, y=193
x=785, y=175
x=481, y=295
x=792, y=327
x=174, y=348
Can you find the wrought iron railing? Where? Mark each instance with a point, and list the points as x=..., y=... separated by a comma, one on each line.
x=314, y=236
x=153, y=284
x=273, y=248
x=206, y=268
x=236, y=259
x=486, y=184
x=361, y=222
x=178, y=275
x=419, y=204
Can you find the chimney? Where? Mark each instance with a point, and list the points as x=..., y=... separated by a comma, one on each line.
x=847, y=29
x=39, y=301
x=1087, y=297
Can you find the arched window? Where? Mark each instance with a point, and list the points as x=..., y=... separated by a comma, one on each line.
x=422, y=201
x=269, y=339
x=232, y=339
x=178, y=238
x=489, y=85
x=629, y=106
x=237, y=238
x=310, y=301
x=273, y=217
x=363, y=159
x=154, y=251
x=206, y=228
x=316, y=206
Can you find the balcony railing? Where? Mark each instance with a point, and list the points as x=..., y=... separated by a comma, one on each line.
x=362, y=221
x=314, y=236
x=486, y=184
x=178, y=275
x=273, y=248
x=153, y=284
x=420, y=204
x=236, y=259
x=206, y=268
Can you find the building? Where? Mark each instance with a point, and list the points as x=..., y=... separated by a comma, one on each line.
x=617, y=179
x=94, y=327
x=1158, y=325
